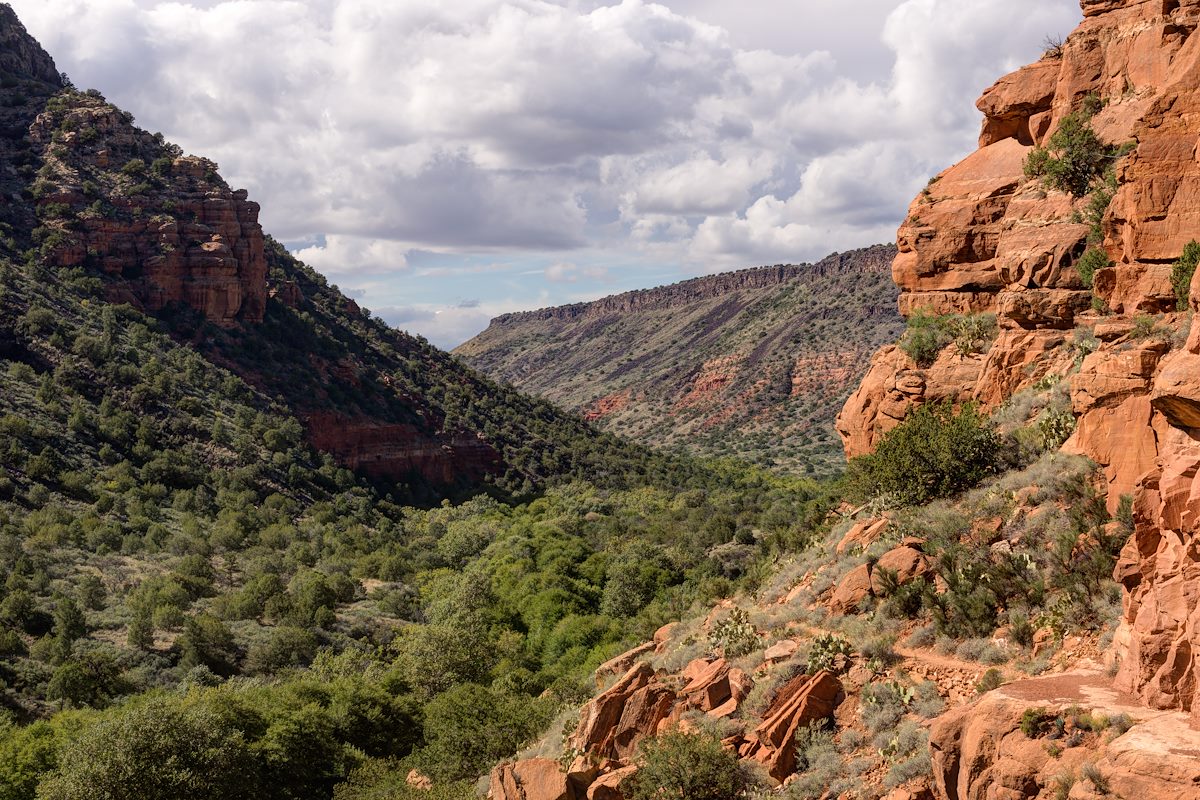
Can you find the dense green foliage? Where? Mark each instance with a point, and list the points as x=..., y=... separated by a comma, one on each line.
x=694, y=766
x=1181, y=274
x=181, y=566
x=935, y=452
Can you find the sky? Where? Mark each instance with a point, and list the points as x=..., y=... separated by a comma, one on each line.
x=445, y=161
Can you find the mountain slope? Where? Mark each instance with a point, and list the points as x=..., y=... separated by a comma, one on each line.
x=131, y=220
x=752, y=363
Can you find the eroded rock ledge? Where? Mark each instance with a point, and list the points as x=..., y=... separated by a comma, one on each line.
x=983, y=238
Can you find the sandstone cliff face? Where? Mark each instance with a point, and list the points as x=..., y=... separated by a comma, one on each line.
x=166, y=226
x=982, y=237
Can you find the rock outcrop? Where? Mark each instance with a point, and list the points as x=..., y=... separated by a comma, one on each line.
x=984, y=238
x=804, y=699
x=980, y=752
x=21, y=57
x=644, y=703
x=401, y=451
x=169, y=229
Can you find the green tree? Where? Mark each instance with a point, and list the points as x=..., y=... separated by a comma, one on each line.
x=69, y=625
x=691, y=766
x=935, y=452
x=470, y=727
x=155, y=751
x=206, y=641
x=1181, y=274
x=1073, y=157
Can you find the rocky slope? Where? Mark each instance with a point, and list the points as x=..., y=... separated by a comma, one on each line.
x=752, y=363
x=1096, y=350
x=985, y=236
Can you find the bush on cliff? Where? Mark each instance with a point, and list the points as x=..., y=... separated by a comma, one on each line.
x=1093, y=259
x=936, y=452
x=927, y=335
x=1181, y=274
x=1073, y=158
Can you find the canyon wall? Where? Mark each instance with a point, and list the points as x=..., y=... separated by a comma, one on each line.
x=983, y=237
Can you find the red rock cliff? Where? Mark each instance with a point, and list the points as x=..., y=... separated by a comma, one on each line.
x=983, y=237
x=164, y=223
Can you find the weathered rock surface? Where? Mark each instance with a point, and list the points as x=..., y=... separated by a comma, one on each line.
x=177, y=236
x=982, y=237
x=533, y=779
x=396, y=451
x=804, y=699
x=613, y=723
x=979, y=751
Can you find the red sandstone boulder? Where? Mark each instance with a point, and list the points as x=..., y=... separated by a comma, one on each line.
x=804, y=699
x=623, y=663
x=535, y=779
x=608, y=786
x=612, y=724
x=863, y=534
x=853, y=589
x=905, y=564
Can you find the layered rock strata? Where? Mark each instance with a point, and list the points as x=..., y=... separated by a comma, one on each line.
x=984, y=238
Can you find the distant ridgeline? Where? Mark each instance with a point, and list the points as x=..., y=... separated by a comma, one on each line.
x=753, y=363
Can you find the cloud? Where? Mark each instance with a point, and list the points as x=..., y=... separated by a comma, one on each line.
x=700, y=133
x=445, y=326
x=339, y=254
x=570, y=273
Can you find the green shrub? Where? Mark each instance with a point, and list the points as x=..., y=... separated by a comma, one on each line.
x=156, y=752
x=992, y=679
x=925, y=337
x=1181, y=274
x=884, y=704
x=927, y=334
x=1093, y=259
x=934, y=453
x=813, y=741
x=1055, y=427
x=469, y=728
x=694, y=766
x=1073, y=157
x=1035, y=722
x=734, y=636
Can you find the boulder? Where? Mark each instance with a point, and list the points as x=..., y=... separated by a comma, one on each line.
x=622, y=663
x=533, y=779
x=608, y=786
x=804, y=699
x=862, y=534
x=612, y=724
x=853, y=589
x=714, y=687
x=781, y=650
x=907, y=564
